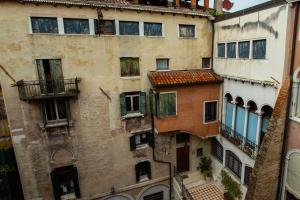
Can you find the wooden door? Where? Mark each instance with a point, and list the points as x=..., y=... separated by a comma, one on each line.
x=183, y=158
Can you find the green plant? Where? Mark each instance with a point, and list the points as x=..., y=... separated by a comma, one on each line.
x=215, y=13
x=207, y=173
x=205, y=164
x=233, y=188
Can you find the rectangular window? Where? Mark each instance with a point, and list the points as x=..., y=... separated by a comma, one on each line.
x=233, y=163
x=182, y=138
x=167, y=104
x=129, y=28
x=130, y=67
x=231, y=50
x=248, y=171
x=244, y=49
x=107, y=27
x=210, y=111
x=205, y=63
x=55, y=109
x=44, y=25
x=259, y=49
x=162, y=64
x=141, y=139
x=152, y=29
x=199, y=152
x=76, y=26
x=217, y=150
x=133, y=102
x=186, y=30
x=143, y=171
x=221, y=50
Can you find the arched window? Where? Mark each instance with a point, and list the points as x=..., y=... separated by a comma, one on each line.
x=240, y=117
x=252, y=124
x=229, y=111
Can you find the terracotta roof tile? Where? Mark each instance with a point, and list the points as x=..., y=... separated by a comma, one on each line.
x=183, y=77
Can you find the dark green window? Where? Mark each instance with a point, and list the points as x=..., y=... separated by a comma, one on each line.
x=44, y=25
x=133, y=102
x=259, y=49
x=130, y=67
x=244, y=49
x=221, y=50
x=167, y=104
x=231, y=50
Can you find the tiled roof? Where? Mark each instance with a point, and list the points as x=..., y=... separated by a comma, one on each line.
x=183, y=77
x=122, y=4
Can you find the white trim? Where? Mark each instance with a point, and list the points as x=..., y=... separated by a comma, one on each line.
x=30, y=25
x=141, y=28
x=117, y=28
x=210, y=63
x=217, y=111
x=92, y=27
x=60, y=24
x=195, y=31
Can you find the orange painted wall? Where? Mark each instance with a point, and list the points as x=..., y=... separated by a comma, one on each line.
x=190, y=110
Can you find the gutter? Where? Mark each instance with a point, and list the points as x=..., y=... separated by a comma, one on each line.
x=285, y=134
x=161, y=161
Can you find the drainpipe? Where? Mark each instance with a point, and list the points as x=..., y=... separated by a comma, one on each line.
x=213, y=46
x=161, y=161
x=280, y=188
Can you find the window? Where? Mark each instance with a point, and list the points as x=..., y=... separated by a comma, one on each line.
x=182, y=138
x=55, y=109
x=205, y=63
x=130, y=67
x=221, y=50
x=217, y=150
x=186, y=30
x=244, y=49
x=76, y=26
x=155, y=196
x=152, y=29
x=210, y=111
x=231, y=50
x=290, y=196
x=259, y=49
x=44, y=25
x=65, y=183
x=133, y=102
x=143, y=171
x=107, y=27
x=233, y=163
x=141, y=139
x=162, y=64
x=129, y=28
x=167, y=104
x=248, y=171
x=199, y=152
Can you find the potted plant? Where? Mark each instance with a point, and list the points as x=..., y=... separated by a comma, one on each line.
x=208, y=175
x=232, y=188
x=205, y=167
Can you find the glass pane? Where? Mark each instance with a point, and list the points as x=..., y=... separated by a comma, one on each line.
x=162, y=64
x=259, y=49
x=186, y=30
x=210, y=111
x=137, y=139
x=231, y=50
x=205, y=63
x=128, y=104
x=108, y=27
x=153, y=29
x=61, y=109
x=50, y=110
x=129, y=28
x=76, y=26
x=136, y=103
x=221, y=50
x=244, y=49
x=44, y=25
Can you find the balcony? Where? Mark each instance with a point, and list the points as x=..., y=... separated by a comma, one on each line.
x=45, y=89
x=240, y=141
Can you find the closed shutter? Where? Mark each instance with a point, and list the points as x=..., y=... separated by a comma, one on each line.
x=153, y=104
x=143, y=102
x=137, y=172
x=148, y=169
x=132, y=143
x=150, y=137
x=55, y=186
x=76, y=182
x=123, y=104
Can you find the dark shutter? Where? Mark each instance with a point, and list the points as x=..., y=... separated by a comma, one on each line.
x=76, y=182
x=132, y=143
x=148, y=168
x=150, y=138
x=97, y=26
x=55, y=186
x=143, y=102
x=123, y=104
x=137, y=172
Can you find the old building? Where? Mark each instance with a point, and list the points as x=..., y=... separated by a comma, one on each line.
x=79, y=110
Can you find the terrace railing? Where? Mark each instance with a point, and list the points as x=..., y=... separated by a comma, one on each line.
x=43, y=89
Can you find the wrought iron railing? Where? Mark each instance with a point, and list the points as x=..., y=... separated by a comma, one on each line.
x=186, y=195
x=239, y=140
x=42, y=89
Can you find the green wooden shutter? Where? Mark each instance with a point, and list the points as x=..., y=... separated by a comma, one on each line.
x=55, y=186
x=150, y=138
x=124, y=68
x=123, y=104
x=76, y=182
x=143, y=103
x=57, y=75
x=135, y=67
x=41, y=74
x=148, y=168
x=137, y=172
x=132, y=143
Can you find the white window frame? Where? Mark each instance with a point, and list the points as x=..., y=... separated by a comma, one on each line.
x=162, y=29
x=251, y=45
x=225, y=53
x=30, y=25
x=141, y=31
x=163, y=69
x=217, y=111
x=236, y=49
x=195, y=31
x=209, y=63
x=250, y=49
x=131, y=102
x=170, y=92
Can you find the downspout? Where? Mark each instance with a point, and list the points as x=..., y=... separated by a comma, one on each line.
x=161, y=161
x=212, y=46
x=285, y=135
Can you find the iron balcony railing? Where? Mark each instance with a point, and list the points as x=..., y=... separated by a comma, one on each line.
x=43, y=89
x=239, y=140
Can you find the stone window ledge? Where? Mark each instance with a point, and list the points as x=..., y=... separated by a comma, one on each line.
x=132, y=115
x=295, y=119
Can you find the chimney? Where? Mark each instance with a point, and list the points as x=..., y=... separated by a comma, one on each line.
x=218, y=6
x=206, y=4
x=177, y=3
x=193, y=4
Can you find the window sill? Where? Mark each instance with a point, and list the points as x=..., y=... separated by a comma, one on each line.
x=149, y=36
x=212, y=122
x=70, y=196
x=141, y=147
x=132, y=115
x=54, y=124
x=64, y=34
x=190, y=38
x=144, y=179
x=130, y=77
x=295, y=119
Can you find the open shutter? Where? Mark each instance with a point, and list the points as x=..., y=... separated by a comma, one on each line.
x=41, y=74
x=76, y=182
x=97, y=26
x=148, y=168
x=137, y=172
x=57, y=75
x=150, y=137
x=55, y=186
x=132, y=143
x=123, y=104
x=143, y=102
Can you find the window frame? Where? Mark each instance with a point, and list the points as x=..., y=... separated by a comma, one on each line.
x=217, y=53
x=204, y=111
x=214, y=151
x=57, y=120
x=238, y=49
x=131, y=95
x=187, y=37
x=128, y=21
x=158, y=104
x=234, y=158
x=105, y=33
x=141, y=178
x=86, y=19
x=235, y=49
x=131, y=76
x=162, y=29
x=209, y=63
x=252, y=48
x=168, y=63
x=31, y=28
